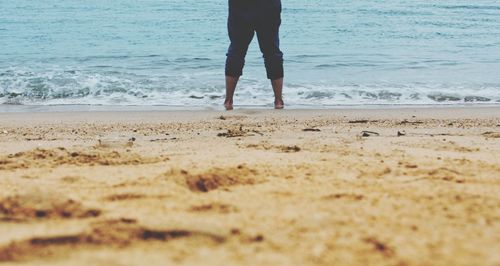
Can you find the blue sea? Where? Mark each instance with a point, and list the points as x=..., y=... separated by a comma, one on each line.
x=172, y=52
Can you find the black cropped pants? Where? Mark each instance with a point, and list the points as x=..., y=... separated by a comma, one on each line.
x=247, y=17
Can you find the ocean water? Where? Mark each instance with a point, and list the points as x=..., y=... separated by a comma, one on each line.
x=172, y=52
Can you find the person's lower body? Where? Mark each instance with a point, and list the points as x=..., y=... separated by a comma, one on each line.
x=245, y=19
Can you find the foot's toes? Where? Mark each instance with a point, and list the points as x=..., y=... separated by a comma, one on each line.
x=228, y=104
x=279, y=105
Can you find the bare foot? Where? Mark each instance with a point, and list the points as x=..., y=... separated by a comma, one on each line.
x=231, y=83
x=279, y=104
x=228, y=105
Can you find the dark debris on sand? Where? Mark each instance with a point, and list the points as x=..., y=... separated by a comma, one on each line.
x=311, y=129
x=369, y=133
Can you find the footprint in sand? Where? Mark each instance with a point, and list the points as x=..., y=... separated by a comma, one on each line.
x=219, y=178
x=61, y=156
x=111, y=233
x=43, y=206
x=215, y=178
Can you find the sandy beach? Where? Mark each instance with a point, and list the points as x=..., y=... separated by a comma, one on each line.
x=398, y=186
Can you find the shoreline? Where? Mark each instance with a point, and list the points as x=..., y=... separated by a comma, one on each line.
x=7, y=108
x=162, y=115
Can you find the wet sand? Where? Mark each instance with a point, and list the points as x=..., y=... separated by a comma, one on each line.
x=408, y=186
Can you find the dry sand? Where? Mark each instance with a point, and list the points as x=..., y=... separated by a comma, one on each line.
x=251, y=187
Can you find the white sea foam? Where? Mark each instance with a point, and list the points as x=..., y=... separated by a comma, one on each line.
x=21, y=86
